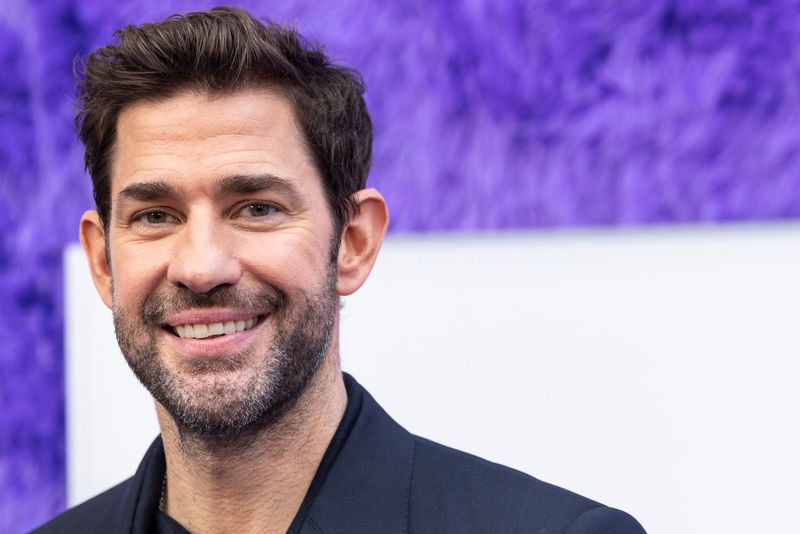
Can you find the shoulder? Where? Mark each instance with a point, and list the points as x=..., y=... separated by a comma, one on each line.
x=453, y=491
x=98, y=514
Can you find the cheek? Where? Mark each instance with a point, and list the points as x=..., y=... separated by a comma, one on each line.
x=136, y=271
x=287, y=260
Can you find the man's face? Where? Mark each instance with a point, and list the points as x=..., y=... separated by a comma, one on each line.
x=222, y=257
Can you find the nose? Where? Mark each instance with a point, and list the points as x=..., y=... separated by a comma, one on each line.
x=203, y=256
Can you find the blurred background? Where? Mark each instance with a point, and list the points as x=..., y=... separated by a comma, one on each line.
x=598, y=126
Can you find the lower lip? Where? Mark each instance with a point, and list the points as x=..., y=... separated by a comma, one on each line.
x=217, y=347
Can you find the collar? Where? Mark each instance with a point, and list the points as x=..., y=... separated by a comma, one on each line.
x=361, y=485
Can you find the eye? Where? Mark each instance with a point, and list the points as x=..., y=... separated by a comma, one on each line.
x=154, y=217
x=258, y=209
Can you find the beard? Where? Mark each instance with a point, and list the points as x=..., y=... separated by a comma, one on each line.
x=221, y=399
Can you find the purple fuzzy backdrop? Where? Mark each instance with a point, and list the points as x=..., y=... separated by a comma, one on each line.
x=489, y=115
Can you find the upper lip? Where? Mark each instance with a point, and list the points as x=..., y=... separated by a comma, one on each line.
x=210, y=316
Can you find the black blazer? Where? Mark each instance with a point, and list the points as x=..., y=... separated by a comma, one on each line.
x=380, y=479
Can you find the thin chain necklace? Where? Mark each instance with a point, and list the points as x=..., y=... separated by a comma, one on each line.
x=163, y=494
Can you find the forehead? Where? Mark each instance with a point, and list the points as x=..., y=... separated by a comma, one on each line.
x=193, y=138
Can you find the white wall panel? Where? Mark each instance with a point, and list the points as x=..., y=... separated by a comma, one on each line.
x=652, y=370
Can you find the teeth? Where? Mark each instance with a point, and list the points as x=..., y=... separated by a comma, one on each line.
x=201, y=331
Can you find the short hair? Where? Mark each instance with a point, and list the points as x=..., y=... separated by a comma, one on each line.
x=221, y=51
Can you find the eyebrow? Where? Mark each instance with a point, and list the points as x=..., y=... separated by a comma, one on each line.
x=147, y=191
x=247, y=184
x=242, y=184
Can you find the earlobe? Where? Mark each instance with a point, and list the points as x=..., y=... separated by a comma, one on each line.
x=361, y=240
x=93, y=240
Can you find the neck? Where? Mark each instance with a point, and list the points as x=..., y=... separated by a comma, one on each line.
x=257, y=483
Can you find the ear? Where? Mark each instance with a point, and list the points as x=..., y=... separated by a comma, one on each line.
x=94, y=244
x=361, y=240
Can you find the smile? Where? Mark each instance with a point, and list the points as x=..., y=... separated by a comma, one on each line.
x=206, y=330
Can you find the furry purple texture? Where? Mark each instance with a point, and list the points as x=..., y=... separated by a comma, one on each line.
x=488, y=115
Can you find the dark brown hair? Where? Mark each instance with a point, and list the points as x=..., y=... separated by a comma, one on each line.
x=221, y=51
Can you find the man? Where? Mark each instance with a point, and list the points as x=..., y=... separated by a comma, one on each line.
x=229, y=163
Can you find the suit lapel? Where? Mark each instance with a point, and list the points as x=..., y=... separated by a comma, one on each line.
x=367, y=488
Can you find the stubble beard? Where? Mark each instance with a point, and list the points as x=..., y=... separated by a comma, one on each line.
x=223, y=399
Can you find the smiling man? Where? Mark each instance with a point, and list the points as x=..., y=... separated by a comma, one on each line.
x=229, y=163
